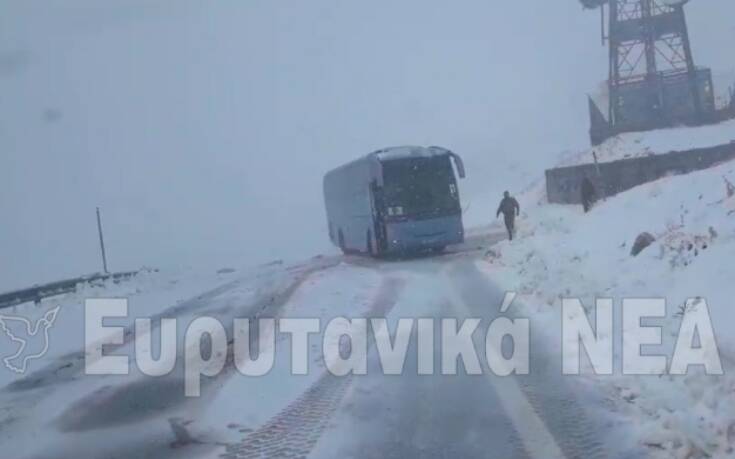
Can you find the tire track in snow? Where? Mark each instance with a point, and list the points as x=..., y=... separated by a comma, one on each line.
x=294, y=431
x=110, y=406
x=559, y=426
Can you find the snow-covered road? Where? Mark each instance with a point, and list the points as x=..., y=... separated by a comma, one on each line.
x=412, y=415
x=60, y=412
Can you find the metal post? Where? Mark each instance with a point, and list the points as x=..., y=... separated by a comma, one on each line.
x=689, y=56
x=614, y=71
x=602, y=23
x=102, y=241
x=649, y=38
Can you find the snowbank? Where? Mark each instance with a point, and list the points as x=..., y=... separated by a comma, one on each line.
x=149, y=293
x=562, y=252
x=660, y=141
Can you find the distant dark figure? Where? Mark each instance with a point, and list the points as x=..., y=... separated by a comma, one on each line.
x=589, y=194
x=510, y=209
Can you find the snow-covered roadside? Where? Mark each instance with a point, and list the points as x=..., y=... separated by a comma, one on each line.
x=58, y=410
x=148, y=293
x=56, y=384
x=32, y=402
x=561, y=252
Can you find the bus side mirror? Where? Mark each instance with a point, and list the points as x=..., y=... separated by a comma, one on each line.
x=459, y=164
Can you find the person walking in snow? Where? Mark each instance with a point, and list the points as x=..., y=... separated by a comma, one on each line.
x=510, y=209
x=589, y=195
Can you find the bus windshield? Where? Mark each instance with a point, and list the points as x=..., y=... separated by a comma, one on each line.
x=418, y=187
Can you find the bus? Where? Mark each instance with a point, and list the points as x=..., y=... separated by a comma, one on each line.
x=395, y=201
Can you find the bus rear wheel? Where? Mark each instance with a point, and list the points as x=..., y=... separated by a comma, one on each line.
x=341, y=242
x=370, y=249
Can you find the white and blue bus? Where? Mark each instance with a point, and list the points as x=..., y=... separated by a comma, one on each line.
x=395, y=201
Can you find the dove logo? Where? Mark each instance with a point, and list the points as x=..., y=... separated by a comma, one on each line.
x=32, y=339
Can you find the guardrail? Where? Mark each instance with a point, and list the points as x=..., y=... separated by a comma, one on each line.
x=39, y=292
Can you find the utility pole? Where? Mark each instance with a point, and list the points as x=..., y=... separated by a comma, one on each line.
x=102, y=241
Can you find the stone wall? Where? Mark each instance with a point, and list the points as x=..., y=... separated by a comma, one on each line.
x=563, y=183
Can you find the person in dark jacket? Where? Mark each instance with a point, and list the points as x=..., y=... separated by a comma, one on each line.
x=510, y=209
x=589, y=194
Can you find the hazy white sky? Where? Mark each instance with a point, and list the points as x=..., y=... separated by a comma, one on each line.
x=203, y=128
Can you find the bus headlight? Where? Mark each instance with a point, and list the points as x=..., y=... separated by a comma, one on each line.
x=395, y=211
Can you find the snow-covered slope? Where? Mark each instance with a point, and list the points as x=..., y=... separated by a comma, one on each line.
x=562, y=252
x=655, y=142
